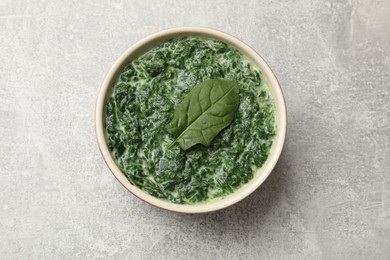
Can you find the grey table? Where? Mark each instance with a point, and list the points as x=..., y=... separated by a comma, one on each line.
x=328, y=198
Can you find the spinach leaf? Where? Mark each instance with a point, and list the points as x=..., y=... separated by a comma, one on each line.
x=204, y=112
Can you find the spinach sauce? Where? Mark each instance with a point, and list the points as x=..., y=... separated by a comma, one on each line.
x=142, y=104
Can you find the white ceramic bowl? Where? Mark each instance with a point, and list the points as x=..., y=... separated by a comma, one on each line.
x=144, y=45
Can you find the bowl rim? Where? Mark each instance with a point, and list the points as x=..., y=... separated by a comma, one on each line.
x=273, y=84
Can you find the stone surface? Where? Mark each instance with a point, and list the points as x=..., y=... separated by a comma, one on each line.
x=328, y=198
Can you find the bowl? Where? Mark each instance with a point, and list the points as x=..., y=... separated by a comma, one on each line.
x=144, y=45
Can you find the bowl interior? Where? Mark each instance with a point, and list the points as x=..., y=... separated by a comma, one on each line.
x=146, y=44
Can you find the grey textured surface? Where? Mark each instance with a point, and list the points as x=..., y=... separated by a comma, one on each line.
x=328, y=198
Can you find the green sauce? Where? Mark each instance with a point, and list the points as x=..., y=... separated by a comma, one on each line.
x=142, y=104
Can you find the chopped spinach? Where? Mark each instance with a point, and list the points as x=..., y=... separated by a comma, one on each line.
x=143, y=102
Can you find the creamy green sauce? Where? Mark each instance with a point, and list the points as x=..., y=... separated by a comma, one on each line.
x=142, y=104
